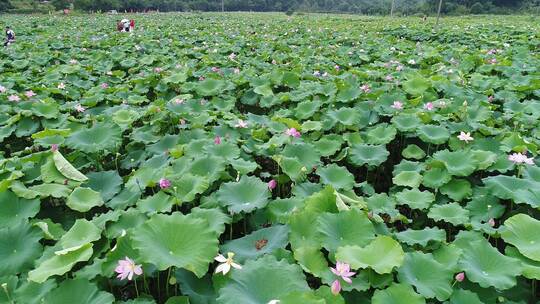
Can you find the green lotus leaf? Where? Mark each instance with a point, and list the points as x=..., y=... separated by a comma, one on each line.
x=124, y=118
x=328, y=145
x=31, y=293
x=215, y=218
x=416, y=85
x=157, y=203
x=421, y=237
x=176, y=240
x=80, y=234
x=264, y=90
x=51, y=230
x=345, y=228
x=210, y=87
x=312, y=260
x=464, y=296
x=107, y=183
x=510, y=187
x=84, y=199
x=14, y=209
x=484, y=264
x=435, y=178
x=60, y=264
x=457, y=189
x=258, y=243
x=382, y=134
x=382, y=203
x=483, y=159
x=451, y=213
x=361, y=154
x=66, y=168
x=302, y=235
x=397, y=294
x=433, y=134
x=199, y=290
x=188, y=186
x=521, y=230
x=305, y=153
x=431, y=278
x=459, y=163
x=345, y=116
x=78, y=291
x=415, y=198
x=408, y=179
x=54, y=190
x=246, y=195
x=531, y=269
x=256, y=282
x=293, y=168
x=225, y=150
x=306, y=109
x=101, y=137
x=19, y=247
x=348, y=92
x=338, y=177
x=414, y=152
x=212, y=167
x=381, y=255
x=406, y=122
x=241, y=166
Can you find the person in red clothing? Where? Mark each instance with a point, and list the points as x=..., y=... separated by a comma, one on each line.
x=131, y=25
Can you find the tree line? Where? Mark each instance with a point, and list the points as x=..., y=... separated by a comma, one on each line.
x=371, y=7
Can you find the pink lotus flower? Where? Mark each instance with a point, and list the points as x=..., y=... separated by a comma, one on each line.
x=337, y=67
x=316, y=73
x=158, y=70
x=80, y=108
x=127, y=268
x=14, y=98
x=227, y=263
x=73, y=61
x=241, y=124
x=412, y=62
x=164, y=183
x=54, y=147
x=201, y=78
x=182, y=121
x=216, y=69
x=104, y=85
x=61, y=86
x=274, y=61
x=398, y=105
x=389, y=78
x=365, y=88
x=2, y=89
x=399, y=68
x=236, y=70
x=465, y=136
x=491, y=98
x=491, y=222
x=492, y=61
x=272, y=184
x=232, y=56
x=429, y=106
x=342, y=270
x=292, y=132
x=29, y=94
x=460, y=277
x=179, y=101
x=217, y=140
x=519, y=158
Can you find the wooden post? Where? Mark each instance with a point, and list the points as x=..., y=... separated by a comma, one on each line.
x=439, y=13
x=392, y=9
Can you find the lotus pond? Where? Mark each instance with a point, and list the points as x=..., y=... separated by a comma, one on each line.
x=259, y=158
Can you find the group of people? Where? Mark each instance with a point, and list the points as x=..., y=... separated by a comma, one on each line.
x=125, y=25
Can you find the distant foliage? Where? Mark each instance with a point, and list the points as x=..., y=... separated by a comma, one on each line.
x=380, y=7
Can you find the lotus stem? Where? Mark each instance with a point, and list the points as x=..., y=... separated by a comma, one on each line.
x=136, y=289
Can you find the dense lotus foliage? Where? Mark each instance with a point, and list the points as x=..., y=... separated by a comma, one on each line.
x=258, y=158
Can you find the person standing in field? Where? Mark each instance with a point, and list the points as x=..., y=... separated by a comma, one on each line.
x=131, y=25
x=10, y=36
